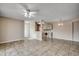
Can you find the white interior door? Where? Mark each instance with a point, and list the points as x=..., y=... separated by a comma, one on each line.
x=76, y=31
x=27, y=29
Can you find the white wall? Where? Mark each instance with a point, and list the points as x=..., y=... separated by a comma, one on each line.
x=11, y=30
x=64, y=32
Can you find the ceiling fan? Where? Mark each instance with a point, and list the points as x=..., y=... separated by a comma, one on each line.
x=29, y=12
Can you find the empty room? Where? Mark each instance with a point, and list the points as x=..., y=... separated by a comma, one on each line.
x=39, y=29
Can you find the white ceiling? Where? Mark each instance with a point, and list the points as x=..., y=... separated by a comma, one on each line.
x=47, y=11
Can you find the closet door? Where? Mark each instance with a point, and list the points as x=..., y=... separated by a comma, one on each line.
x=76, y=31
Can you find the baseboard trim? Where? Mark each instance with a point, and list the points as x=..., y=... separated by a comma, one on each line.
x=11, y=41
x=69, y=41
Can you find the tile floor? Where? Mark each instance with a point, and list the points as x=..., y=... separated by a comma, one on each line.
x=39, y=48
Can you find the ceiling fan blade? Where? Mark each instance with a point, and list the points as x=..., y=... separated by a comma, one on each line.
x=24, y=6
x=32, y=14
x=34, y=10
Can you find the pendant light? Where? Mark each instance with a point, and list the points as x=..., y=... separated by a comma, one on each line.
x=60, y=23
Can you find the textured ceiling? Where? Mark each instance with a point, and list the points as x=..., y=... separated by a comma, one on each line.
x=47, y=11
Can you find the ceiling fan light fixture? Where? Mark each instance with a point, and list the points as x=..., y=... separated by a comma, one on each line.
x=25, y=14
x=30, y=14
x=27, y=11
